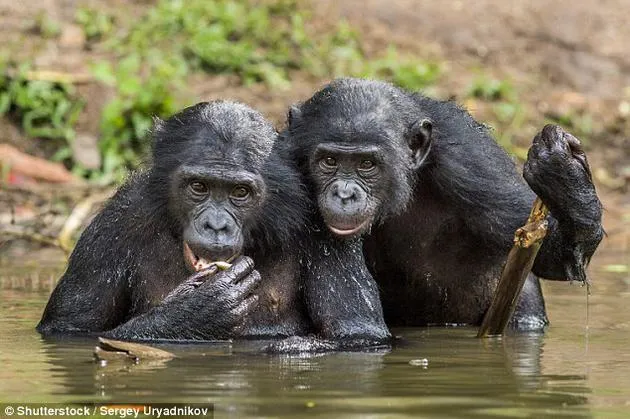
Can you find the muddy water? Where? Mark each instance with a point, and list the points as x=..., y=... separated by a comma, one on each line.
x=579, y=368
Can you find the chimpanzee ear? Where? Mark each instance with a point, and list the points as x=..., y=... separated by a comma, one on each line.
x=420, y=141
x=294, y=115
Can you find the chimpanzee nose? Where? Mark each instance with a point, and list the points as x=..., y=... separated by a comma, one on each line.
x=217, y=223
x=344, y=191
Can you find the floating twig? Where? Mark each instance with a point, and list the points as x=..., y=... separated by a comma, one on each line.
x=116, y=350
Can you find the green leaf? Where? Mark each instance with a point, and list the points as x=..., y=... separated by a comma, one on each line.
x=103, y=72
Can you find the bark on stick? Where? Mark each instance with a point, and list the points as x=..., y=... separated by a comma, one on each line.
x=527, y=241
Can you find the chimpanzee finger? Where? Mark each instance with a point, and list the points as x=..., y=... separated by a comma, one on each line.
x=575, y=146
x=561, y=141
x=553, y=137
x=247, y=285
x=186, y=287
x=245, y=306
x=242, y=267
x=535, y=142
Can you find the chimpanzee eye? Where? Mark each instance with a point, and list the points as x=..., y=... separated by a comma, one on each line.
x=366, y=164
x=198, y=188
x=330, y=162
x=240, y=192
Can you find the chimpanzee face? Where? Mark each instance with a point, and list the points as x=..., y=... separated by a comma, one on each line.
x=362, y=177
x=349, y=179
x=362, y=150
x=209, y=166
x=213, y=203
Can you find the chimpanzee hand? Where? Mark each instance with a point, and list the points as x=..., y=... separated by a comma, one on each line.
x=214, y=308
x=223, y=299
x=193, y=282
x=558, y=172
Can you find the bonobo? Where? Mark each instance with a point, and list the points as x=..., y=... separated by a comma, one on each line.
x=437, y=200
x=217, y=190
x=213, y=192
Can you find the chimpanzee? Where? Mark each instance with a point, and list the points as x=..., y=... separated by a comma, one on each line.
x=437, y=200
x=217, y=190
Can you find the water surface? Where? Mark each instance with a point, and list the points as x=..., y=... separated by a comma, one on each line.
x=579, y=368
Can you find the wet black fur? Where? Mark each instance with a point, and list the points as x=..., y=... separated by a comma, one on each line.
x=438, y=247
x=130, y=256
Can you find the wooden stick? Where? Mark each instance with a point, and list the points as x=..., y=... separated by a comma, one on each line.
x=34, y=166
x=20, y=233
x=527, y=241
x=114, y=350
x=77, y=217
x=52, y=76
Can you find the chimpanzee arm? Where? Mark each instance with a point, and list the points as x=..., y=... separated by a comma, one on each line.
x=215, y=310
x=557, y=170
x=93, y=294
x=341, y=296
x=478, y=179
x=76, y=308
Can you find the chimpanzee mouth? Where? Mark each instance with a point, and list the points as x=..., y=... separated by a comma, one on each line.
x=198, y=263
x=345, y=231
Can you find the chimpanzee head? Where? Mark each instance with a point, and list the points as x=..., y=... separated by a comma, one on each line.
x=360, y=143
x=214, y=162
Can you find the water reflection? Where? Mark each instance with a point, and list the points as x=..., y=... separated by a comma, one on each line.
x=464, y=377
x=579, y=368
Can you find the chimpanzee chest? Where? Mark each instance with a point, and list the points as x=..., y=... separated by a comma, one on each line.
x=280, y=309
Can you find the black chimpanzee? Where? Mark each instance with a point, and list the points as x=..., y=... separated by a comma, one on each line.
x=438, y=201
x=217, y=189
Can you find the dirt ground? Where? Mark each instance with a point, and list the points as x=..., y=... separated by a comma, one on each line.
x=562, y=54
x=575, y=45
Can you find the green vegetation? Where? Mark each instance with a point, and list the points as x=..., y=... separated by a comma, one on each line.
x=403, y=71
x=127, y=117
x=152, y=56
x=44, y=109
x=148, y=60
x=491, y=89
x=95, y=24
x=46, y=26
x=510, y=116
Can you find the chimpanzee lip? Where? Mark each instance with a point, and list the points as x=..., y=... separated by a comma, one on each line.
x=348, y=231
x=196, y=263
